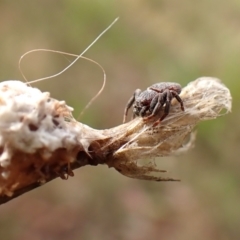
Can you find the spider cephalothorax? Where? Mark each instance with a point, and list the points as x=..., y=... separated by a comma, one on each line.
x=148, y=103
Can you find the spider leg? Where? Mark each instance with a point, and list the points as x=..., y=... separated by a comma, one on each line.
x=168, y=100
x=130, y=103
x=143, y=111
x=178, y=99
x=156, y=105
x=153, y=103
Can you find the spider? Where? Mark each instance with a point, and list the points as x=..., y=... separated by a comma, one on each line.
x=149, y=103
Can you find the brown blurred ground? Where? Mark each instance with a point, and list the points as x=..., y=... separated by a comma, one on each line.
x=153, y=41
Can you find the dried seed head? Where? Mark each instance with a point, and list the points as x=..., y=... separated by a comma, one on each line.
x=40, y=140
x=204, y=99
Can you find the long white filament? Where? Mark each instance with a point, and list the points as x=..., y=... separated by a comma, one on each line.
x=73, y=62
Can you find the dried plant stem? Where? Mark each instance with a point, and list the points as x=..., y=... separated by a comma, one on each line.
x=40, y=140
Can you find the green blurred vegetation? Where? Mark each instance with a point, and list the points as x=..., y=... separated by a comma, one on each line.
x=153, y=41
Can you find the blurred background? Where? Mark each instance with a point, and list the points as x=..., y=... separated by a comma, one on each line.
x=153, y=41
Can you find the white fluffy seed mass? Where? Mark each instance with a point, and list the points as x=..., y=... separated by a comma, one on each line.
x=29, y=121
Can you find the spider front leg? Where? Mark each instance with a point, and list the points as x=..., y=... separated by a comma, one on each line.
x=130, y=103
x=168, y=100
x=156, y=105
x=168, y=96
x=142, y=112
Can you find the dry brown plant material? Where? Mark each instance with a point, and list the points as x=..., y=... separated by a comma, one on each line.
x=40, y=140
